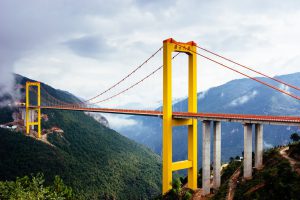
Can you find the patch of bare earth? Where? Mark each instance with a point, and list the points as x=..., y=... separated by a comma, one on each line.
x=232, y=184
x=198, y=195
x=295, y=164
x=255, y=188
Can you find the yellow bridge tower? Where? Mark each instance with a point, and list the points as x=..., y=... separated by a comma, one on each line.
x=30, y=109
x=170, y=46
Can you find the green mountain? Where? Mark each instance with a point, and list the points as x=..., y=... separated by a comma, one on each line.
x=279, y=179
x=97, y=162
x=275, y=181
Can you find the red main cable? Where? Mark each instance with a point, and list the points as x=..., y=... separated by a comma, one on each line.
x=124, y=77
x=129, y=87
x=110, y=88
x=255, y=79
x=234, y=62
x=125, y=90
x=115, y=95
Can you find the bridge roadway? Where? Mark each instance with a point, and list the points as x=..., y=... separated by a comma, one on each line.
x=241, y=118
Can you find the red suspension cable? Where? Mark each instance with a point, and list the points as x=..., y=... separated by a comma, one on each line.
x=255, y=79
x=110, y=88
x=123, y=79
x=260, y=73
x=135, y=84
x=113, y=96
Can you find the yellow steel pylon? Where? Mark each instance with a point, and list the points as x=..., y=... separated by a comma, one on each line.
x=34, y=108
x=170, y=46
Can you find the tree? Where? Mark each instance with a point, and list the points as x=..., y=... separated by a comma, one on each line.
x=32, y=188
x=295, y=137
x=61, y=189
x=177, y=192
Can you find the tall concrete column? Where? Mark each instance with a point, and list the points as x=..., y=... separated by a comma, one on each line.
x=247, y=151
x=258, y=145
x=206, y=157
x=23, y=113
x=217, y=155
x=31, y=117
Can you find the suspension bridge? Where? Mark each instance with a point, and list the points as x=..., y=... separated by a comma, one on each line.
x=170, y=118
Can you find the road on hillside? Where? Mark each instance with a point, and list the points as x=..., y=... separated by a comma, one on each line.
x=295, y=164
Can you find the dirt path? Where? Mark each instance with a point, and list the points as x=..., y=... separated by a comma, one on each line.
x=197, y=194
x=232, y=184
x=231, y=190
x=255, y=188
x=294, y=163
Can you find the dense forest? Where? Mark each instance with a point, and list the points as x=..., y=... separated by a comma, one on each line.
x=95, y=161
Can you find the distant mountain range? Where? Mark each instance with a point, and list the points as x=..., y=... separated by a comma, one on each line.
x=243, y=96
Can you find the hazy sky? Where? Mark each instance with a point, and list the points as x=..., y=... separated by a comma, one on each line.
x=85, y=46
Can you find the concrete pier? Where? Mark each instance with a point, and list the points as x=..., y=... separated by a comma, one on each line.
x=217, y=155
x=247, y=151
x=258, y=146
x=206, y=157
x=23, y=114
x=32, y=117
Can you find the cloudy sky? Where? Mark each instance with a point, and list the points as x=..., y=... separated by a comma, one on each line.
x=86, y=46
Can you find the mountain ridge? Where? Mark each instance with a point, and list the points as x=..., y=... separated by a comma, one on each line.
x=236, y=96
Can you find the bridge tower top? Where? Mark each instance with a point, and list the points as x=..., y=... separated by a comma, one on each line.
x=189, y=48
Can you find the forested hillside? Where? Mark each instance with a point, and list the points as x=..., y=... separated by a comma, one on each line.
x=97, y=162
x=279, y=179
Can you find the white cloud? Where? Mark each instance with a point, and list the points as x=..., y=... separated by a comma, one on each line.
x=86, y=46
x=285, y=88
x=235, y=130
x=243, y=99
x=267, y=145
x=117, y=122
x=202, y=95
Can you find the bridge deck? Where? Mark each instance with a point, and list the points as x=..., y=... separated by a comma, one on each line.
x=242, y=118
